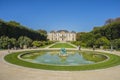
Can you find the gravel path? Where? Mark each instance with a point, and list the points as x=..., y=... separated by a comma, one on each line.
x=61, y=42
x=13, y=72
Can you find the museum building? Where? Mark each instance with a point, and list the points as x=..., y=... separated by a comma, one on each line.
x=62, y=35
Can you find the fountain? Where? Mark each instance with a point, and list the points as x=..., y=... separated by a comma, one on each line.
x=63, y=59
x=63, y=52
x=60, y=58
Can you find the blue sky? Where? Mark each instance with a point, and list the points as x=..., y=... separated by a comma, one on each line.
x=76, y=15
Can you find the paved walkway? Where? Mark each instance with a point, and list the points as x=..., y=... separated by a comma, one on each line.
x=13, y=72
x=50, y=45
x=72, y=45
x=61, y=42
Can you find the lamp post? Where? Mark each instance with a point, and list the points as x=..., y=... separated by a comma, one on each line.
x=0, y=44
x=8, y=48
x=111, y=46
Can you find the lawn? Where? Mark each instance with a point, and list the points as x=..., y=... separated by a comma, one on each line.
x=44, y=46
x=62, y=45
x=112, y=61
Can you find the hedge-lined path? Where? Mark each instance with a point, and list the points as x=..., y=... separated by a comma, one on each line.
x=13, y=72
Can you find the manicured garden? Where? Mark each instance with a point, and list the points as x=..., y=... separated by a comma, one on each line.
x=62, y=45
x=113, y=60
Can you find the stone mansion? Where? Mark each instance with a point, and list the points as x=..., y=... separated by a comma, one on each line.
x=62, y=35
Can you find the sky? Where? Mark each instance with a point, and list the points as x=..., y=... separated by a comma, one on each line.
x=71, y=15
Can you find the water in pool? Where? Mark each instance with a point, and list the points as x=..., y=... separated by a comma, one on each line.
x=55, y=59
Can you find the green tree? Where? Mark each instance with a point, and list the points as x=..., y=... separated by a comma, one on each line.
x=13, y=42
x=44, y=32
x=88, y=39
x=116, y=43
x=103, y=41
x=16, y=30
x=36, y=43
x=79, y=34
x=24, y=42
x=4, y=42
x=13, y=23
x=78, y=43
x=109, y=21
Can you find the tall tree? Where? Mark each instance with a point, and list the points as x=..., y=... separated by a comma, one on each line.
x=109, y=21
x=44, y=32
x=103, y=41
x=13, y=29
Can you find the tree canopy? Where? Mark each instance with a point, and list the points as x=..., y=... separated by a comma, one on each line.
x=102, y=35
x=13, y=29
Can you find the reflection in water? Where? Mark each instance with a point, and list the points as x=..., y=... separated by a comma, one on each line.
x=55, y=59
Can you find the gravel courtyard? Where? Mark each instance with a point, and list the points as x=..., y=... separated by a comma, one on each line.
x=13, y=72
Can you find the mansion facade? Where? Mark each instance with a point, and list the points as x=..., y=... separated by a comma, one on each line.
x=62, y=35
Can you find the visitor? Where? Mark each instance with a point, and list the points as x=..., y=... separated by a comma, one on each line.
x=93, y=47
x=79, y=48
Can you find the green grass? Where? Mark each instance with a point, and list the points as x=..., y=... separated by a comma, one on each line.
x=93, y=56
x=31, y=55
x=44, y=46
x=62, y=45
x=113, y=61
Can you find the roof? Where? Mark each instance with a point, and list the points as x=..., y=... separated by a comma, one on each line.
x=59, y=31
x=73, y=32
x=52, y=31
x=63, y=31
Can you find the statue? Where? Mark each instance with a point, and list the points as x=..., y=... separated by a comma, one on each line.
x=63, y=52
